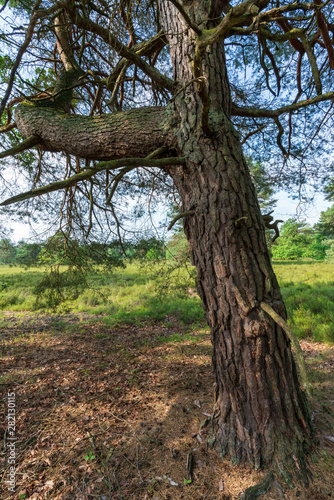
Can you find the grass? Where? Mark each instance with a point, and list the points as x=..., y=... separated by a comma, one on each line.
x=136, y=295
x=308, y=291
x=111, y=396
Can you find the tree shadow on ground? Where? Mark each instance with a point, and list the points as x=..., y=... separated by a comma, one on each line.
x=113, y=413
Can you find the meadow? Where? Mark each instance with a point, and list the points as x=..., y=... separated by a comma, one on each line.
x=148, y=292
x=112, y=391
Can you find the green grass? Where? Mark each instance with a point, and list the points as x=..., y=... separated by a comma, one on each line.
x=308, y=291
x=136, y=295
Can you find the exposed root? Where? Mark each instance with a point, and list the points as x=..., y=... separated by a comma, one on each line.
x=258, y=489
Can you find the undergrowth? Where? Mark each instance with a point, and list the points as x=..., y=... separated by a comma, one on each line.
x=139, y=294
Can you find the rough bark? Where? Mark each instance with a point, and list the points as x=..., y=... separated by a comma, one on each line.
x=133, y=133
x=261, y=413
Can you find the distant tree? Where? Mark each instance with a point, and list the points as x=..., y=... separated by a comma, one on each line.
x=27, y=253
x=7, y=251
x=325, y=226
x=298, y=240
x=265, y=188
x=150, y=249
x=329, y=189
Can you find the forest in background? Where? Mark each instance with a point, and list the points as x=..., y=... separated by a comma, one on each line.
x=297, y=240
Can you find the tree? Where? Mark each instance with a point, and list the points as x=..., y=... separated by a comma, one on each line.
x=325, y=226
x=27, y=253
x=201, y=110
x=7, y=251
x=298, y=240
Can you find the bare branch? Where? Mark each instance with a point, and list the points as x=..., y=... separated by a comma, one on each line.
x=272, y=113
x=178, y=217
x=122, y=50
x=91, y=172
x=313, y=64
x=8, y=127
x=253, y=132
x=63, y=44
x=279, y=137
x=321, y=21
x=30, y=31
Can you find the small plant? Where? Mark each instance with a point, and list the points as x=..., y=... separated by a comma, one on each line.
x=187, y=481
x=90, y=456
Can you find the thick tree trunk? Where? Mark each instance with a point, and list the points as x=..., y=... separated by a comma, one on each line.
x=261, y=414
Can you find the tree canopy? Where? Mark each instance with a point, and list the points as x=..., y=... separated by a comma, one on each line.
x=279, y=58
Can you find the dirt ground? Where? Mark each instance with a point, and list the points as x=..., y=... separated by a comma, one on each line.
x=116, y=413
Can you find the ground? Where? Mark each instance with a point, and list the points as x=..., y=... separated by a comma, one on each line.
x=116, y=412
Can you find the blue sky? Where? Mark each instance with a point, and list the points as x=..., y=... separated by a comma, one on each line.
x=285, y=208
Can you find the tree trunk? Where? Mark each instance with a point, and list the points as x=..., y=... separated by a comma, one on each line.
x=261, y=414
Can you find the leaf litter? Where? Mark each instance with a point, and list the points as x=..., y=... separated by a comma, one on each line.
x=115, y=413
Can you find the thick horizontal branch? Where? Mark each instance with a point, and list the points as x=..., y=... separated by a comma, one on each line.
x=273, y=113
x=131, y=133
x=90, y=172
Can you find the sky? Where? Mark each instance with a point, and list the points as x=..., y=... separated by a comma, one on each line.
x=285, y=208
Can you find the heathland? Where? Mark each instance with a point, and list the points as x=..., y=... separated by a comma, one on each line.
x=114, y=390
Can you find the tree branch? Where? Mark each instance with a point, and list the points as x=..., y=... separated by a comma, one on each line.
x=91, y=172
x=313, y=64
x=321, y=21
x=8, y=127
x=147, y=48
x=253, y=132
x=26, y=144
x=131, y=133
x=30, y=31
x=63, y=44
x=122, y=50
x=272, y=113
x=178, y=217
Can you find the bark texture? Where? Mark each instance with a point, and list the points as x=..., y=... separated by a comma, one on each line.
x=261, y=414
x=133, y=133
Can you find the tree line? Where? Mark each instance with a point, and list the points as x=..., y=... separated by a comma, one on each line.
x=57, y=251
x=297, y=240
